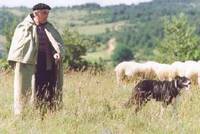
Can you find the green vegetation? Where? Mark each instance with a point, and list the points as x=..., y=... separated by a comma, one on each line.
x=180, y=42
x=121, y=53
x=6, y=19
x=94, y=56
x=99, y=28
x=76, y=47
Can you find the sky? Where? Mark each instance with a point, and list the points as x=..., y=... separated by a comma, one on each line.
x=53, y=3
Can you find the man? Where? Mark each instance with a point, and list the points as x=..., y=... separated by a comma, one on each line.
x=36, y=53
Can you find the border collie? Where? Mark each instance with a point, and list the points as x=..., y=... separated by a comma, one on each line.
x=164, y=91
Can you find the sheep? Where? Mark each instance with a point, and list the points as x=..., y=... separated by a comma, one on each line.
x=130, y=70
x=121, y=68
x=192, y=71
x=178, y=68
x=189, y=69
x=165, y=72
x=161, y=71
x=119, y=71
x=152, y=67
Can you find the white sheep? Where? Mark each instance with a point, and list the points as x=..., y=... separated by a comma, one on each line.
x=122, y=68
x=178, y=68
x=152, y=65
x=189, y=69
x=165, y=72
x=129, y=71
x=140, y=70
x=161, y=71
x=192, y=71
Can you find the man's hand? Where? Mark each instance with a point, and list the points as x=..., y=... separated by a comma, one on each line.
x=57, y=57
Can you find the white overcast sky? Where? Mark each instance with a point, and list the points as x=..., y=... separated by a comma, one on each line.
x=53, y=3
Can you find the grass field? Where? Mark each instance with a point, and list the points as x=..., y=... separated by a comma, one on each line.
x=94, y=56
x=99, y=28
x=93, y=105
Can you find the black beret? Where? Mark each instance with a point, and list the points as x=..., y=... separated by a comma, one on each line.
x=41, y=6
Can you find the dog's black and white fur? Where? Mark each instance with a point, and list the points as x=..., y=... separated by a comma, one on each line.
x=164, y=91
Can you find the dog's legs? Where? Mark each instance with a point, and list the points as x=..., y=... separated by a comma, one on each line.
x=139, y=105
x=162, y=108
x=164, y=105
x=174, y=104
x=139, y=98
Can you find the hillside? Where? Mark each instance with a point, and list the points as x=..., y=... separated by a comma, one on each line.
x=139, y=27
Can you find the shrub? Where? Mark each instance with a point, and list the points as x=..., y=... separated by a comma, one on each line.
x=121, y=53
x=4, y=65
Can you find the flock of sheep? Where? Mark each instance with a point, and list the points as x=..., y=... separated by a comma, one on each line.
x=129, y=71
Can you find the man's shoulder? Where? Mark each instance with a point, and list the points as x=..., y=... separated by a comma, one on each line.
x=22, y=26
x=51, y=27
x=49, y=24
x=26, y=23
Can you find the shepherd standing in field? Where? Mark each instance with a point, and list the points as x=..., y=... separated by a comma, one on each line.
x=36, y=54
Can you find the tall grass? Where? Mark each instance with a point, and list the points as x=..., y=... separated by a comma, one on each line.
x=94, y=105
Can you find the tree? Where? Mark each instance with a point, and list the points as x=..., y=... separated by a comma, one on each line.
x=76, y=46
x=180, y=41
x=8, y=32
x=121, y=53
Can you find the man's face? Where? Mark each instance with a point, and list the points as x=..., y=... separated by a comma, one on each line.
x=42, y=15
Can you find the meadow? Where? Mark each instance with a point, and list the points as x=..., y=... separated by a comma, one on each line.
x=93, y=104
x=94, y=56
x=99, y=28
